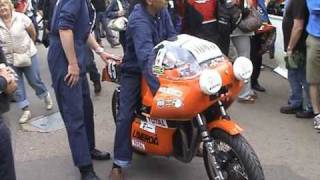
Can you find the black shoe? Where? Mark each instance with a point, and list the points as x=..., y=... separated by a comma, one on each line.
x=290, y=109
x=98, y=155
x=97, y=87
x=257, y=87
x=305, y=114
x=89, y=175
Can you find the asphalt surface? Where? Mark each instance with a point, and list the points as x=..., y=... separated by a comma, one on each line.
x=288, y=148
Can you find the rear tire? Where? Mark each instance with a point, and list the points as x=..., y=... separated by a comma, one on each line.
x=238, y=163
x=115, y=103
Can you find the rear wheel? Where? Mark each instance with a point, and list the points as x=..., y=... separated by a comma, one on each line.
x=115, y=103
x=236, y=158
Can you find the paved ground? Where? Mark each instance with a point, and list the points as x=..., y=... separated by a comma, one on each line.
x=288, y=148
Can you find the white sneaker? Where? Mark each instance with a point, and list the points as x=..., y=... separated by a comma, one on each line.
x=48, y=102
x=25, y=116
x=316, y=122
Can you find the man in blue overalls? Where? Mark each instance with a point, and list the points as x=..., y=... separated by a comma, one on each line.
x=67, y=59
x=149, y=24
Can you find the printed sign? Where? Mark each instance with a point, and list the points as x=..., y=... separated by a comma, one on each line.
x=146, y=138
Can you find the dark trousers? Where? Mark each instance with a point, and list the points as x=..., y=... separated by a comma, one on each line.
x=92, y=68
x=256, y=58
x=7, y=171
x=122, y=40
x=76, y=109
x=129, y=101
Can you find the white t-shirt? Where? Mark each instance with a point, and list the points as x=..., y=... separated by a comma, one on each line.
x=16, y=39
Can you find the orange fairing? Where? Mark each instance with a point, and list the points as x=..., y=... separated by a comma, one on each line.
x=228, y=126
x=187, y=99
x=159, y=142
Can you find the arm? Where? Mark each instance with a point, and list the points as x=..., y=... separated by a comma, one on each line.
x=67, y=41
x=7, y=82
x=171, y=31
x=92, y=43
x=32, y=32
x=296, y=32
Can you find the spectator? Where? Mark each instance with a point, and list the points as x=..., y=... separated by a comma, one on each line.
x=199, y=19
x=294, y=36
x=313, y=57
x=255, y=53
x=17, y=37
x=241, y=41
x=119, y=8
x=101, y=20
x=70, y=36
x=7, y=87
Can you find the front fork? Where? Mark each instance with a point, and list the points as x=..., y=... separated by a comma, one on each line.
x=208, y=141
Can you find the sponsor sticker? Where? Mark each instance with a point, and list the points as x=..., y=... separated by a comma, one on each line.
x=136, y=143
x=148, y=127
x=158, y=122
x=177, y=103
x=171, y=91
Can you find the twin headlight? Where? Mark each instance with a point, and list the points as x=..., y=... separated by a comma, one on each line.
x=211, y=82
x=242, y=68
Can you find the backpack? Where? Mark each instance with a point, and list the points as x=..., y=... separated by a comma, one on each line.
x=228, y=16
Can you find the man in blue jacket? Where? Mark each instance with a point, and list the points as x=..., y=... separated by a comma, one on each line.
x=70, y=36
x=149, y=24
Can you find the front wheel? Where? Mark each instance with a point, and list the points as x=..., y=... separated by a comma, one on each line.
x=236, y=158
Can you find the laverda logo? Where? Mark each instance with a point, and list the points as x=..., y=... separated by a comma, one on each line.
x=146, y=138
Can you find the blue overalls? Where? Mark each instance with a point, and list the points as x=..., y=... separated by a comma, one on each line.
x=74, y=103
x=143, y=33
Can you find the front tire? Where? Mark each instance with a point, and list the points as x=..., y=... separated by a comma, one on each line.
x=236, y=158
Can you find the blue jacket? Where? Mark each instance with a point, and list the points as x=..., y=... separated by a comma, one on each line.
x=143, y=33
x=313, y=26
x=75, y=15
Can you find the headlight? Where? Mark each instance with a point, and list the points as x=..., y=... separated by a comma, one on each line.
x=242, y=68
x=210, y=81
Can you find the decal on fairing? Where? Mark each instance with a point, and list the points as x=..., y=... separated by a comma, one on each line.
x=177, y=103
x=148, y=127
x=136, y=143
x=171, y=91
x=146, y=138
x=158, y=122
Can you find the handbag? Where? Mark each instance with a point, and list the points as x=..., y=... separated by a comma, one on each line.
x=251, y=22
x=119, y=23
x=21, y=59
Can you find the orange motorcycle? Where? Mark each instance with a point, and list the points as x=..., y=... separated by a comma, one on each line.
x=197, y=84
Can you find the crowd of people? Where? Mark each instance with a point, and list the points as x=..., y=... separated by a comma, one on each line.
x=73, y=31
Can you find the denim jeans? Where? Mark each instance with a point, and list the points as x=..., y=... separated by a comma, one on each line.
x=242, y=45
x=32, y=74
x=299, y=88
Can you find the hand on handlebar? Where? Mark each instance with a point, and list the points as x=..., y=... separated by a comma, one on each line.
x=107, y=57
